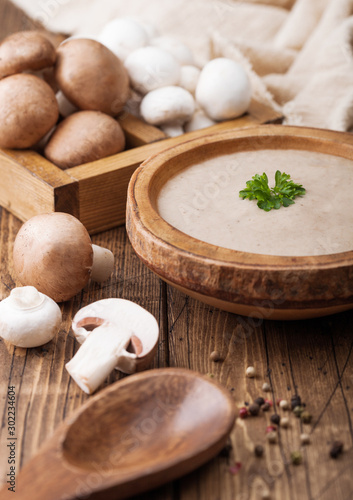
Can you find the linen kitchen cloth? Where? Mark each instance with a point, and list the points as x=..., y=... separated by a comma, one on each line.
x=298, y=53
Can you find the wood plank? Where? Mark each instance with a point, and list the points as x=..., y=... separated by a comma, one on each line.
x=138, y=133
x=38, y=188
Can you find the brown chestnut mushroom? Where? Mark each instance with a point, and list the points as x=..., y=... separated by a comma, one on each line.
x=28, y=110
x=115, y=333
x=25, y=51
x=54, y=253
x=83, y=137
x=91, y=76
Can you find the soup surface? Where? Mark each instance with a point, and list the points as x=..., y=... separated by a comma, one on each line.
x=203, y=201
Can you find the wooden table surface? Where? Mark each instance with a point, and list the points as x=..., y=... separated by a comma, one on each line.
x=311, y=358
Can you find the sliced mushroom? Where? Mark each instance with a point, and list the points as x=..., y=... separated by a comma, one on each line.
x=54, y=253
x=25, y=51
x=115, y=333
x=29, y=318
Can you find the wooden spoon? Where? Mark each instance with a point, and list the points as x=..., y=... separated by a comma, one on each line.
x=137, y=434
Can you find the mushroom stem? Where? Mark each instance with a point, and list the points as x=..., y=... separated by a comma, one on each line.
x=103, y=263
x=99, y=355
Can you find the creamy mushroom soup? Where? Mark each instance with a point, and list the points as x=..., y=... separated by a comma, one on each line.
x=203, y=201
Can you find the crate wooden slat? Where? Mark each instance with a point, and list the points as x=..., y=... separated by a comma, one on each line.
x=95, y=192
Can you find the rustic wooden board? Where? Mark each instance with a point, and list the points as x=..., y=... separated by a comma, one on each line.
x=312, y=357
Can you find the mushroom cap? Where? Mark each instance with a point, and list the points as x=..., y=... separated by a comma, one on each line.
x=25, y=51
x=167, y=105
x=83, y=137
x=28, y=110
x=29, y=318
x=122, y=36
x=91, y=76
x=223, y=89
x=199, y=120
x=175, y=47
x=189, y=76
x=150, y=68
x=53, y=252
x=128, y=316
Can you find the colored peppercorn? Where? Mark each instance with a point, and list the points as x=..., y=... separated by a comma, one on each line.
x=284, y=422
x=284, y=405
x=259, y=401
x=272, y=437
x=295, y=401
x=296, y=457
x=336, y=449
x=298, y=410
x=250, y=372
x=265, y=407
x=259, y=450
x=306, y=417
x=254, y=409
x=266, y=387
x=304, y=438
x=275, y=418
x=269, y=402
x=271, y=428
x=243, y=412
x=215, y=356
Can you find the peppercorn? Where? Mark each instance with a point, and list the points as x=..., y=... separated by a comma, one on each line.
x=306, y=417
x=284, y=422
x=269, y=402
x=336, y=449
x=270, y=428
x=243, y=412
x=226, y=450
x=304, y=438
x=284, y=405
x=295, y=401
x=278, y=400
x=254, y=409
x=272, y=437
x=250, y=372
x=266, y=387
x=296, y=457
x=275, y=418
x=265, y=407
x=259, y=450
x=215, y=356
x=259, y=401
x=298, y=410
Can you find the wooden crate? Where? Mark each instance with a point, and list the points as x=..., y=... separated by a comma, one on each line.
x=95, y=192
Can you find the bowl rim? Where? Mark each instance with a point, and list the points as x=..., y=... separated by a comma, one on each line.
x=148, y=231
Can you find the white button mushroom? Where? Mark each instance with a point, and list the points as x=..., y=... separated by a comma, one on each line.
x=66, y=107
x=54, y=253
x=189, y=76
x=29, y=318
x=150, y=68
x=223, y=89
x=172, y=129
x=122, y=36
x=175, y=47
x=115, y=333
x=166, y=105
x=198, y=121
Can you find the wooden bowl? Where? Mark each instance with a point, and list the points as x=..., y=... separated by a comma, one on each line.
x=258, y=285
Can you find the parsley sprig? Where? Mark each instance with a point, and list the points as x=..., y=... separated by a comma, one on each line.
x=267, y=198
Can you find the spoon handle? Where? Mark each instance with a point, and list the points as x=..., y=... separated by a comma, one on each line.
x=46, y=476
